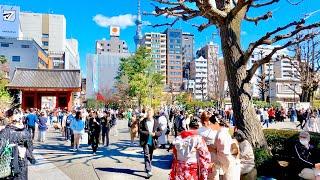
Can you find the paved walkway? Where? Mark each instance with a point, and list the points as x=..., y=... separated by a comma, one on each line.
x=54, y=159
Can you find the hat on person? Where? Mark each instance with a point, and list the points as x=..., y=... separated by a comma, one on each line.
x=304, y=134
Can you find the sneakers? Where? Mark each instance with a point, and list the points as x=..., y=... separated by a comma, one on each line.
x=149, y=174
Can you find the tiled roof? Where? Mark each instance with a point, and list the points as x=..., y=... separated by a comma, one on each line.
x=45, y=78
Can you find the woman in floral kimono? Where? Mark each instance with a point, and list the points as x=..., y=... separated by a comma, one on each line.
x=192, y=159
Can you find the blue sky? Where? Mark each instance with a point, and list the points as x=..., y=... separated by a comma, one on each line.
x=81, y=25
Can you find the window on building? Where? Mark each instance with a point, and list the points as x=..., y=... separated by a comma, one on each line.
x=45, y=35
x=45, y=43
x=108, y=44
x=4, y=44
x=16, y=58
x=25, y=46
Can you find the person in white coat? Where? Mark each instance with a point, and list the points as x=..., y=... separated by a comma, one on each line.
x=163, y=122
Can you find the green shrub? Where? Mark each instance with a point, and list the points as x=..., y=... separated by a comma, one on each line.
x=264, y=104
x=281, y=144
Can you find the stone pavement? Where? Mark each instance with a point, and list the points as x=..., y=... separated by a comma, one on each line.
x=55, y=160
x=286, y=125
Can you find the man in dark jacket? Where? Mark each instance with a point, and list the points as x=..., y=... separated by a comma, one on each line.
x=305, y=160
x=149, y=131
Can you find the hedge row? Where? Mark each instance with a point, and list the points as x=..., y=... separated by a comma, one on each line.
x=281, y=144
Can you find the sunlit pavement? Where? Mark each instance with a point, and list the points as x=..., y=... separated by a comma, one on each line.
x=55, y=160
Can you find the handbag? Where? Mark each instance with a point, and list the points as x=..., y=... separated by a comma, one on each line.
x=5, y=161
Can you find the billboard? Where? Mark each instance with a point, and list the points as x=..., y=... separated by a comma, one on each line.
x=9, y=21
x=114, y=31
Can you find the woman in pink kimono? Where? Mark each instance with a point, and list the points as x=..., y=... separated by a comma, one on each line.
x=191, y=158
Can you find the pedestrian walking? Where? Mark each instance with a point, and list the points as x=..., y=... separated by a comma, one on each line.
x=266, y=119
x=134, y=128
x=16, y=150
x=164, y=127
x=149, y=130
x=77, y=127
x=42, y=126
x=114, y=127
x=312, y=123
x=105, y=126
x=94, y=129
x=31, y=119
x=300, y=118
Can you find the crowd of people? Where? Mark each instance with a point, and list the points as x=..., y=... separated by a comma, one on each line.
x=205, y=144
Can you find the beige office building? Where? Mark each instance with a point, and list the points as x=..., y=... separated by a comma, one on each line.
x=49, y=31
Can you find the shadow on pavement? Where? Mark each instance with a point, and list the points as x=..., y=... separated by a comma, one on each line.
x=122, y=171
x=121, y=148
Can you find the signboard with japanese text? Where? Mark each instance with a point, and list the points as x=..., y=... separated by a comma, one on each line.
x=9, y=21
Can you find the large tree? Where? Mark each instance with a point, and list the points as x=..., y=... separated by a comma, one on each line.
x=138, y=78
x=227, y=16
x=306, y=61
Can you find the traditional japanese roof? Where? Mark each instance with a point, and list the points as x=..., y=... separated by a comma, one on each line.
x=45, y=79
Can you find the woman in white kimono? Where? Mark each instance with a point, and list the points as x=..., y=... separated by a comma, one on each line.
x=162, y=140
x=312, y=123
x=227, y=153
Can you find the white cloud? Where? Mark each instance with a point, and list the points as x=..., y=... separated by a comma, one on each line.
x=244, y=33
x=123, y=20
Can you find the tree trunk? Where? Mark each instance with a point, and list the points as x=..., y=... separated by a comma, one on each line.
x=245, y=115
x=306, y=95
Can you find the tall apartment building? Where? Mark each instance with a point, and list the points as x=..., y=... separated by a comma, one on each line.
x=49, y=31
x=199, y=73
x=210, y=52
x=21, y=53
x=157, y=44
x=114, y=45
x=174, y=58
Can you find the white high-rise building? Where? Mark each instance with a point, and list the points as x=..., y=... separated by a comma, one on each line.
x=101, y=72
x=199, y=73
x=210, y=52
x=49, y=31
x=156, y=43
x=280, y=72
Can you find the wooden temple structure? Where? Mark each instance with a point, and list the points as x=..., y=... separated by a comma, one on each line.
x=36, y=83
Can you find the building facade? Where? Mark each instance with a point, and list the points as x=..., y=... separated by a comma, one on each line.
x=157, y=44
x=174, y=58
x=49, y=31
x=101, y=72
x=114, y=45
x=210, y=52
x=199, y=73
x=22, y=53
x=280, y=77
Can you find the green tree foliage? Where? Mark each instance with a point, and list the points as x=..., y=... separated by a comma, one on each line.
x=142, y=82
x=5, y=98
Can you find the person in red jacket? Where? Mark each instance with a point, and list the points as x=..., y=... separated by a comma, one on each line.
x=272, y=114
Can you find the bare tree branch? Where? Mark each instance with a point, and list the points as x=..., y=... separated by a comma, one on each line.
x=267, y=41
x=267, y=58
x=265, y=4
x=257, y=19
